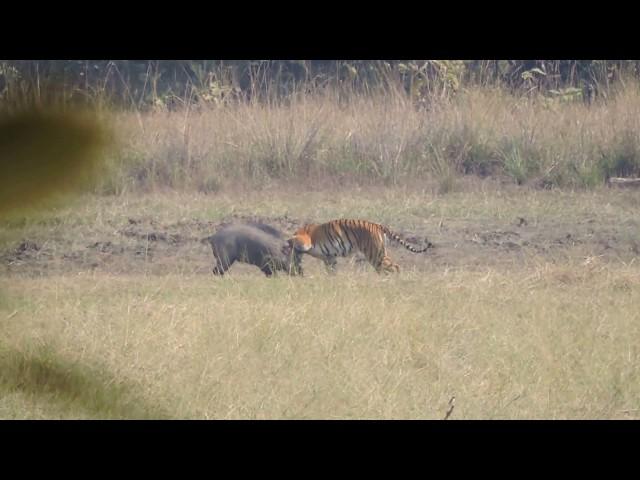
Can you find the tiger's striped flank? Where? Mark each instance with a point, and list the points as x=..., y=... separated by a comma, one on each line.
x=340, y=238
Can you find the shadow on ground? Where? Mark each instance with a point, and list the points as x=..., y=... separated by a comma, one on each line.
x=44, y=375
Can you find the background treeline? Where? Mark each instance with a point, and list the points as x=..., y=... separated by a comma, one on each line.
x=145, y=83
x=214, y=125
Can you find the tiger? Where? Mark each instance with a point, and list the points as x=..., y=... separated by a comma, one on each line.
x=342, y=237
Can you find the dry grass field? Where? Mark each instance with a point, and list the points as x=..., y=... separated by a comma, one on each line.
x=527, y=308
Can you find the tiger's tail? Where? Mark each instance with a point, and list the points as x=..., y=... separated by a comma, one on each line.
x=409, y=247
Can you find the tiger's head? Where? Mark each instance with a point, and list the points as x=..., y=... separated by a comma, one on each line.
x=301, y=240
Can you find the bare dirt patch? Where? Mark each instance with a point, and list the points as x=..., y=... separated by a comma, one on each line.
x=144, y=244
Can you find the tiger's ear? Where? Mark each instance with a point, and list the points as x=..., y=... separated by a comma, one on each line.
x=290, y=242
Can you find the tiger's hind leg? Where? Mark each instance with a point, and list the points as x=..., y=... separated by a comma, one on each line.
x=389, y=267
x=381, y=261
x=386, y=265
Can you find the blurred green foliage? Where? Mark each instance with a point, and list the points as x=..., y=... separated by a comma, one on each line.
x=45, y=153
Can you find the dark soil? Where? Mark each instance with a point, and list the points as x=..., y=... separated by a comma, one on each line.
x=141, y=245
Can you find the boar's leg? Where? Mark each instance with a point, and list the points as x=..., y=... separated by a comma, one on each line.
x=222, y=265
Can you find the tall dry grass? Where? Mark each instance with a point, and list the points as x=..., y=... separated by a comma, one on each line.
x=543, y=342
x=381, y=138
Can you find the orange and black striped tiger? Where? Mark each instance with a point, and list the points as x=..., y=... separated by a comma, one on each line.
x=339, y=238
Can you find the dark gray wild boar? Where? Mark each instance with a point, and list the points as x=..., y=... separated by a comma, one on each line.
x=256, y=244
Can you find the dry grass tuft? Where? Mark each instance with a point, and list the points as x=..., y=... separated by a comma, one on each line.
x=380, y=139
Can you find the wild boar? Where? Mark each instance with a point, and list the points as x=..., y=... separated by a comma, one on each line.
x=256, y=244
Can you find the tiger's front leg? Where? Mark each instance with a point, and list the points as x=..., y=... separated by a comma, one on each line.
x=331, y=264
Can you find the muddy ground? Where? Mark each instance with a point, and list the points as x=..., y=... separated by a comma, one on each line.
x=142, y=245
